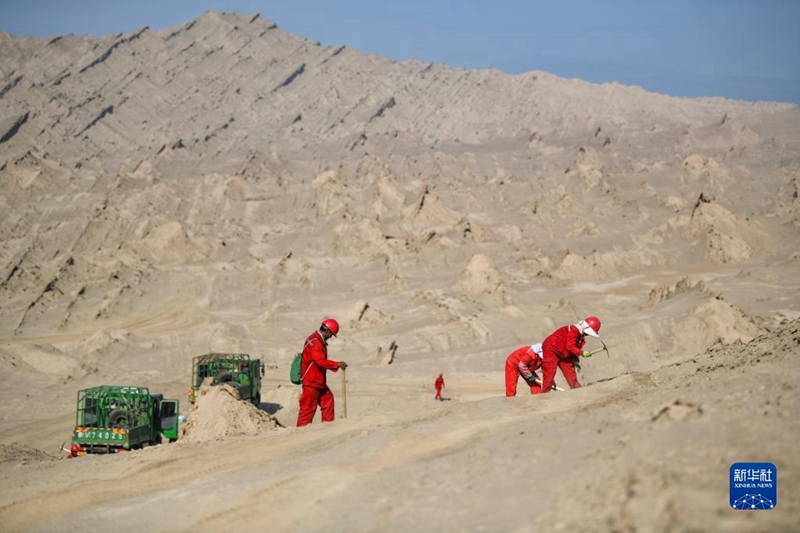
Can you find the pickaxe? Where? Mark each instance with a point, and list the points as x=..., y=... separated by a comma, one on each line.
x=604, y=348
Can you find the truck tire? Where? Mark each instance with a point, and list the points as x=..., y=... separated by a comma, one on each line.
x=118, y=419
x=225, y=377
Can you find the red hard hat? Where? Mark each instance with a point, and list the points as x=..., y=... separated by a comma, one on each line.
x=331, y=325
x=594, y=323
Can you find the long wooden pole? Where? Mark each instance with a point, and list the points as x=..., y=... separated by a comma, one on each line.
x=344, y=393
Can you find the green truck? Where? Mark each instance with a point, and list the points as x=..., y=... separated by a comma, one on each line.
x=235, y=369
x=113, y=419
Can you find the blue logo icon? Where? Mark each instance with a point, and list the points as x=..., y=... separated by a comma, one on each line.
x=753, y=486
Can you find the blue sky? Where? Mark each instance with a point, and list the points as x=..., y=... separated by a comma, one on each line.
x=744, y=49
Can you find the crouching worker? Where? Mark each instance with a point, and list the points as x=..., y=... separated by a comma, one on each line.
x=523, y=362
x=563, y=349
x=314, y=366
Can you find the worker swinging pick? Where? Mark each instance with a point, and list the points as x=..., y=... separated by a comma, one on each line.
x=563, y=349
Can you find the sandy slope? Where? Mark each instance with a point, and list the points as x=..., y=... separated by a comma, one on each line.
x=643, y=451
x=222, y=185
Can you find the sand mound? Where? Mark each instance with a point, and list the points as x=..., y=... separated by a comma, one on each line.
x=363, y=314
x=389, y=197
x=217, y=414
x=697, y=166
x=481, y=276
x=430, y=212
x=706, y=171
x=364, y=237
x=715, y=320
x=169, y=243
x=470, y=230
x=659, y=294
x=785, y=339
x=330, y=195
x=291, y=271
x=730, y=237
x=18, y=453
x=726, y=134
x=99, y=342
x=569, y=266
x=589, y=168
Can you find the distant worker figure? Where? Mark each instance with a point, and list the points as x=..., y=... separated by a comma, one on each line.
x=562, y=348
x=523, y=362
x=314, y=365
x=439, y=386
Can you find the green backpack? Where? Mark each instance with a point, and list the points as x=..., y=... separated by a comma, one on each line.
x=294, y=372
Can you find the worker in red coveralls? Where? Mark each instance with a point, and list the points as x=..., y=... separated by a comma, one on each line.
x=523, y=362
x=563, y=348
x=439, y=386
x=313, y=367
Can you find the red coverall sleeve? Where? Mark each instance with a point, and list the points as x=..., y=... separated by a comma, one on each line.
x=319, y=357
x=525, y=366
x=575, y=341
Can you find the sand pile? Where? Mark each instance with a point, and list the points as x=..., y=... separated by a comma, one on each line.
x=768, y=345
x=715, y=320
x=169, y=243
x=362, y=314
x=659, y=294
x=481, y=276
x=331, y=195
x=589, y=168
x=429, y=212
x=568, y=266
x=696, y=167
x=707, y=172
x=470, y=230
x=19, y=453
x=99, y=342
x=217, y=413
x=730, y=237
x=291, y=270
x=725, y=134
x=389, y=197
x=363, y=237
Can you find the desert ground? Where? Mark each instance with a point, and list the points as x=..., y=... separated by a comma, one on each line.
x=224, y=186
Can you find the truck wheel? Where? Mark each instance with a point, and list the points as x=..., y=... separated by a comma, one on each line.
x=225, y=377
x=118, y=419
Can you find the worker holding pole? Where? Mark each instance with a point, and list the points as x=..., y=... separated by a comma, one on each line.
x=314, y=366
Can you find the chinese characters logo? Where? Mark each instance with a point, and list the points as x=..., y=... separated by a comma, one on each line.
x=753, y=486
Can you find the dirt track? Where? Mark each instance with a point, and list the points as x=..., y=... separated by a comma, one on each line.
x=645, y=451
